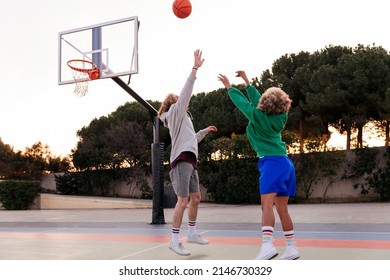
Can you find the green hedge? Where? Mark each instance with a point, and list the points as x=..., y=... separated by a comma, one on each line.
x=99, y=182
x=378, y=179
x=18, y=195
x=234, y=181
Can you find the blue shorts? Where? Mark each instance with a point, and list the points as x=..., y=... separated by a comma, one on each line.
x=277, y=175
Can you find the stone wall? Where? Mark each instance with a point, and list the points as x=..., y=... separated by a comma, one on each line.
x=322, y=191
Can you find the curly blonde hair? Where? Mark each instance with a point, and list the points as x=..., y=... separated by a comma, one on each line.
x=167, y=103
x=274, y=101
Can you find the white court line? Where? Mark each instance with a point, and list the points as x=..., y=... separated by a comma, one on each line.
x=149, y=249
x=142, y=251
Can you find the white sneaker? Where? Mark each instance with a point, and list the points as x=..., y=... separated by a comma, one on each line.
x=179, y=249
x=197, y=238
x=267, y=253
x=291, y=253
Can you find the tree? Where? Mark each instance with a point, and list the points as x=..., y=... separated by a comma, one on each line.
x=91, y=151
x=216, y=108
x=6, y=154
x=365, y=76
x=110, y=142
x=127, y=143
x=292, y=72
x=36, y=161
x=337, y=86
x=385, y=117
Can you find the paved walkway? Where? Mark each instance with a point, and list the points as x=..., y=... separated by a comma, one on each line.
x=358, y=231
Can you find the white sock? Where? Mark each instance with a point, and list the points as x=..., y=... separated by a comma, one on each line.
x=289, y=235
x=175, y=235
x=267, y=232
x=191, y=227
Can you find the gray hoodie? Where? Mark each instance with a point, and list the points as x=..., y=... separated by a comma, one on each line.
x=181, y=129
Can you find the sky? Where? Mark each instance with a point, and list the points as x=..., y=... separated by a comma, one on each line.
x=233, y=35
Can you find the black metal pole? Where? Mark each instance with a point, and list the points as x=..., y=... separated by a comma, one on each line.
x=122, y=84
x=158, y=185
x=157, y=157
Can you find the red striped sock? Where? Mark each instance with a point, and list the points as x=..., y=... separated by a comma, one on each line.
x=176, y=235
x=267, y=232
x=289, y=235
x=191, y=227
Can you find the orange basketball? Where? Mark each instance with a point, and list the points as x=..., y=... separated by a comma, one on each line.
x=182, y=8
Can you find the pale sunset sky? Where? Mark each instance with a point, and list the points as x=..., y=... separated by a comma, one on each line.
x=233, y=34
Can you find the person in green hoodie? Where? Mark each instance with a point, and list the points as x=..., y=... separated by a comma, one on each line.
x=267, y=115
x=174, y=115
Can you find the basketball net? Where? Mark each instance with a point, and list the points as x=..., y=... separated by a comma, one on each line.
x=82, y=72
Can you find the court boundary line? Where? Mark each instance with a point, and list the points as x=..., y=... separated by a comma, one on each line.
x=152, y=248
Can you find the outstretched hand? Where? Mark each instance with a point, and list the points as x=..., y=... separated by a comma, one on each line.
x=198, y=60
x=224, y=80
x=242, y=74
x=211, y=128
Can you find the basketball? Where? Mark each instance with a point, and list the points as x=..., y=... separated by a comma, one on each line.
x=182, y=8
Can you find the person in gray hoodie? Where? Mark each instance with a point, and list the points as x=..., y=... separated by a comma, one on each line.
x=183, y=173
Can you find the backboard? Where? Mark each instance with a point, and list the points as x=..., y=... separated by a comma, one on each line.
x=112, y=46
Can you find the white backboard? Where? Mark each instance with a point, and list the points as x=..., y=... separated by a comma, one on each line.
x=112, y=46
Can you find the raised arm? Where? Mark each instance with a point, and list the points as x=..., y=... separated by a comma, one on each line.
x=242, y=74
x=198, y=61
x=224, y=80
x=238, y=98
x=186, y=93
x=253, y=94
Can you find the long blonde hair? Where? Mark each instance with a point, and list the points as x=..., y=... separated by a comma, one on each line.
x=167, y=103
x=274, y=101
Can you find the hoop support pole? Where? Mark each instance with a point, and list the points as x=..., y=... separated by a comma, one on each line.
x=122, y=84
x=157, y=157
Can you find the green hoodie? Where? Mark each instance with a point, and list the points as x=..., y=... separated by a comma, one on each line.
x=264, y=131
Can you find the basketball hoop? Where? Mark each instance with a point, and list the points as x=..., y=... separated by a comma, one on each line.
x=83, y=71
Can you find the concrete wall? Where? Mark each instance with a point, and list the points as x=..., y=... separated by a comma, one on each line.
x=340, y=191
x=322, y=191
x=54, y=202
x=120, y=188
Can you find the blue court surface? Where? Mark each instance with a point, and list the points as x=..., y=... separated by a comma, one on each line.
x=358, y=231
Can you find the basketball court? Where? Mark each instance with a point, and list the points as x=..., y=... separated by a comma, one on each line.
x=323, y=232
x=110, y=50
